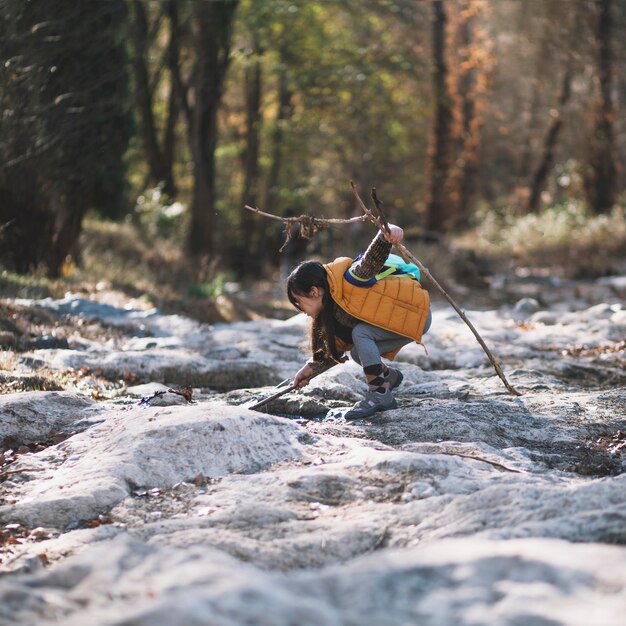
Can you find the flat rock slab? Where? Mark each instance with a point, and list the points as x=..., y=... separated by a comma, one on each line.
x=37, y=416
x=461, y=582
x=146, y=447
x=463, y=505
x=171, y=366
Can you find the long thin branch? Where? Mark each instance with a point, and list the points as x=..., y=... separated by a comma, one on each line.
x=20, y=471
x=381, y=223
x=284, y=390
x=305, y=219
x=480, y=458
x=274, y=396
x=308, y=225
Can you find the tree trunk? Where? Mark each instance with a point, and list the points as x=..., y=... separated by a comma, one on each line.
x=251, y=236
x=173, y=60
x=67, y=228
x=173, y=109
x=463, y=183
x=525, y=152
x=601, y=177
x=285, y=110
x=143, y=96
x=549, y=145
x=65, y=125
x=437, y=216
x=214, y=23
x=169, y=143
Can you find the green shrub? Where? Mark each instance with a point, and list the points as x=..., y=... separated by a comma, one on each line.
x=566, y=236
x=157, y=217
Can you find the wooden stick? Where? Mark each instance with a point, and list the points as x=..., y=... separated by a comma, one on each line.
x=479, y=458
x=21, y=471
x=278, y=394
x=282, y=392
x=305, y=219
x=381, y=223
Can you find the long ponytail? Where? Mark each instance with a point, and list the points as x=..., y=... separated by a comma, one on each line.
x=302, y=279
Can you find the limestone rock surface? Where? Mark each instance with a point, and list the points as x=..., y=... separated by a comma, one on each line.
x=465, y=505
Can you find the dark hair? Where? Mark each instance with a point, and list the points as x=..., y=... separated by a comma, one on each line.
x=302, y=279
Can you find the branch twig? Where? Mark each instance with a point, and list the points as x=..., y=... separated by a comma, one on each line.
x=274, y=396
x=378, y=205
x=479, y=458
x=20, y=471
x=308, y=225
x=280, y=393
x=305, y=219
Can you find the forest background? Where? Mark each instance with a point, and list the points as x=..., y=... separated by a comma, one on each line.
x=133, y=132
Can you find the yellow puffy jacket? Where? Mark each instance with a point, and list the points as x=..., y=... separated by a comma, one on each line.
x=395, y=303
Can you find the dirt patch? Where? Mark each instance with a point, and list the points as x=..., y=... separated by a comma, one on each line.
x=602, y=456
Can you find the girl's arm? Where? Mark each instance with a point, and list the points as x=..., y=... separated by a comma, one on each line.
x=311, y=369
x=373, y=259
x=303, y=376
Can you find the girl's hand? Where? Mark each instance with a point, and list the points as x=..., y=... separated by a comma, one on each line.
x=301, y=379
x=396, y=234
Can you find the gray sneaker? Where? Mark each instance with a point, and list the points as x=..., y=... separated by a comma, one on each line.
x=394, y=377
x=371, y=403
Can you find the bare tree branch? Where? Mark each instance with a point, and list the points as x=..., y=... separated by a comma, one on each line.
x=479, y=458
x=322, y=222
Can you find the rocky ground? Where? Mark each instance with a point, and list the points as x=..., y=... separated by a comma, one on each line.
x=139, y=488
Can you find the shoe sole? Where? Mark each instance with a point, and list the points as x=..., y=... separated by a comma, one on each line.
x=393, y=405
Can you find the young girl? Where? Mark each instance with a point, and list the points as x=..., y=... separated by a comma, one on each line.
x=355, y=307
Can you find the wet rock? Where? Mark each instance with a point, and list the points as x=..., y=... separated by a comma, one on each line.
x=163, y=398
x=325, y=489
x=167, y=366
x=140, y=391
x=548, y=318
